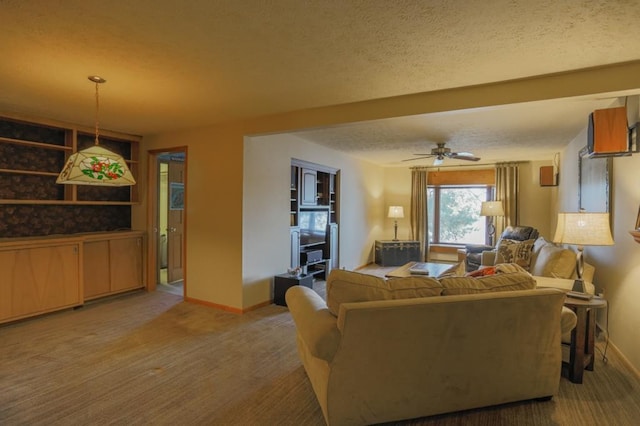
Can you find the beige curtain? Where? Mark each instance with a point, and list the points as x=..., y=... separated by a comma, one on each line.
x=507, y=183
x=419, y=211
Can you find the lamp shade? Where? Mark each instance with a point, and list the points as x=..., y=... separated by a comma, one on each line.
x=583, y=229
x=396, y=212
x=491, y=208
x=96, y=166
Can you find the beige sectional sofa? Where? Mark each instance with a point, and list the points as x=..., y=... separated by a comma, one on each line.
x=551, y=265
x=384, y=350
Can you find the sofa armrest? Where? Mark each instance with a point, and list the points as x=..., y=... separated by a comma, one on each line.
x=315, y=324
x=488, y=258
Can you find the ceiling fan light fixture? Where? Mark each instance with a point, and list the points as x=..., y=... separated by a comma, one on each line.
x=96, y=165
x=440, y=152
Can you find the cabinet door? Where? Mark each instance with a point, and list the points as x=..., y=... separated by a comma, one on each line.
x=126, y=263
x=295, y=247
x=97, y=276
x=38, y=280
x=309, y=188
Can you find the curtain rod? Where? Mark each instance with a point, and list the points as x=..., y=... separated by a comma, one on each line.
x=468, y=165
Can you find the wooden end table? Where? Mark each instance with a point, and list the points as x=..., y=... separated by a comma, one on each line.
x=581, y=352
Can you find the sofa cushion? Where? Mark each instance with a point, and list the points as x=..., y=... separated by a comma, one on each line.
x=456, y=270
x=512, y=251
x=565, y=284
x=554, y=261
x=490, y=283
x=349, y=286
x=505, y=268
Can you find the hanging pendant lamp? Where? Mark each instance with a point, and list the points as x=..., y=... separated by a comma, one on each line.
x=96, y=165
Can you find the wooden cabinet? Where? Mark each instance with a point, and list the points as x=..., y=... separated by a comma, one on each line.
x=45, y=274
x=39, y=276
x=32, y=154
x=112, y=264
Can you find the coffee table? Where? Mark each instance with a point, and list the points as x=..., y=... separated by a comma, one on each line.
x=434, y=269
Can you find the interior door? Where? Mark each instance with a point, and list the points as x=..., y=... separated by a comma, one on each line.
x=175, y=222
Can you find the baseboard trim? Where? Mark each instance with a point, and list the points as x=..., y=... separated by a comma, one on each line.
x=625, y=360
x=227, y=308
x=213, y=305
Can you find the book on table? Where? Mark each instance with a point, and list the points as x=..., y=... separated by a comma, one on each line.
x=578, y=295
x=419, y=269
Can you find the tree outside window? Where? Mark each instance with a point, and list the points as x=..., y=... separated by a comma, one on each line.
x=454, y=214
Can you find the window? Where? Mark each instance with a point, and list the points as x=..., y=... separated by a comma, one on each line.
x=454, y=213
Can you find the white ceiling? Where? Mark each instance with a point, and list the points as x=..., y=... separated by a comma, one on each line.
x=172, y=65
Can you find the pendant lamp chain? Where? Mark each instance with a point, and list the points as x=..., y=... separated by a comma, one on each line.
x=97, y=115
x=97, y=80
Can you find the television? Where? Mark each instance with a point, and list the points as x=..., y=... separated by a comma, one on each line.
x=313, y=226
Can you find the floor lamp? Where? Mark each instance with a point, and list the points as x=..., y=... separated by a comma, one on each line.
x=395, y=212
x=583, y=229
x=491, y=209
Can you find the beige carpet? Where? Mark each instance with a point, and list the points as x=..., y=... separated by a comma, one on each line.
x=149, y=358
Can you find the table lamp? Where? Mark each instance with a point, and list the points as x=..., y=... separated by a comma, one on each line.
x=491, y=208
x=583, y=229
x=395, y=212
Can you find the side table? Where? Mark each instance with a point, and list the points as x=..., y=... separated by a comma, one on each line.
x=581, y=350
x=282, y=282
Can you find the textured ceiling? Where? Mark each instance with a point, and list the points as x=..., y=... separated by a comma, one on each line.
x=172, y=65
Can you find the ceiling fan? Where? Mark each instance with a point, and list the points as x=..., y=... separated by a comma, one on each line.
x=440, y=152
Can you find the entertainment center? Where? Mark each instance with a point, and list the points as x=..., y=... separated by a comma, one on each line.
x=314, y=218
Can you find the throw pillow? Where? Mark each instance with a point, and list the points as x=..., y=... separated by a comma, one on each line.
x=554, y=261
x=491, y=283
x=512, y=251
x=349, y=286
x=487, y=270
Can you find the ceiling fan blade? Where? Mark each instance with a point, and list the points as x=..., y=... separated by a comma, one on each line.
x=418, y=158
x=463, y=156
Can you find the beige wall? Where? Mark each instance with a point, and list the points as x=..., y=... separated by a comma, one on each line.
x=266, y=252
x=397, y=192
x=618, y=266
x=213, y=212
x=536, y=201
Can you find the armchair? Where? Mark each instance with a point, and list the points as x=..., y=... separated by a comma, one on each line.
x=473, y=252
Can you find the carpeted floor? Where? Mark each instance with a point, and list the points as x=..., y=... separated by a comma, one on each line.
x=150, y=358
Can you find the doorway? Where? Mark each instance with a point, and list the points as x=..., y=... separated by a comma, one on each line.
x=167, y=199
